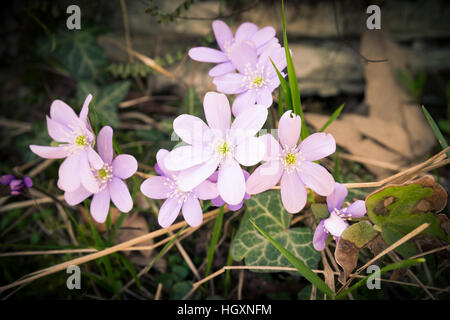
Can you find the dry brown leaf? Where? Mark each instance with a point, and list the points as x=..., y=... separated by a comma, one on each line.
x=134, y=226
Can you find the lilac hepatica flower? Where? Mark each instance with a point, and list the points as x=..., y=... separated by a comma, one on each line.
x=260, y=38
x=294, y=165
x=221, y=144
x=76, y=138
x=109, y=178
x=16, y=185
x=335, y=224
x=166, y=187
x=257, y=77
x=218, y=201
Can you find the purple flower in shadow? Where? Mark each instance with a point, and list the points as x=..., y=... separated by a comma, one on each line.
x=218, y=201
x=16, y=186
x=109, y=178
x=336, y=223
x=166, y=187
x=76, y=138
x=260, y=39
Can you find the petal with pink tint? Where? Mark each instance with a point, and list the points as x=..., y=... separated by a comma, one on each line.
x=245, y=31
x=249, y=122
x=356, y=210
x=205, y=54
x=223, y=34
x=317, y=146
x=120, y=195
x=206, y=190
x=267, y=45
x=273, y=148
x=58, y=132
x=250, y=151
x=190, y=178
x=320, y=236
x=221, y=69
x=169, y=212
x=231, y=182
x=336, y=199
x=85, y=110
x=289, y=129
x=61, y=112
x=335, y=225
x=192, y=212
x=160, y=157
x=50, y=152
x=124, y=166
x=243, y=101
x=186, y=157
x=104, y=144
x=69, y=173
x=217, y=111
x=156, y=187
x=264, y=97
x=244, y=56
x=190, y=129
x=76, y=197
x=94, y=159
x=293, y=192
x=100, y=205
x=317, y=178
x=264, y=177
x=86, y=176
x=263, y=36
x=230, y=83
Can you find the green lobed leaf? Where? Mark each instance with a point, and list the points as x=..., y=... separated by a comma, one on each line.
x=268, y=213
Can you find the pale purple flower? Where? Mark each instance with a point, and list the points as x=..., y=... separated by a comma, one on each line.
x=335, y=224
x=76, y=138
x=218, y=201
x=166, y=187
x=16, y=185
x=293, y=165
x=260, y=38
x=221, y=144
x=256, y=78
x=109, y=178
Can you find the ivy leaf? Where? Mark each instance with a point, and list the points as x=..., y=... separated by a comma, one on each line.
x=266, y=211
x=105, y=100
x=399, y=209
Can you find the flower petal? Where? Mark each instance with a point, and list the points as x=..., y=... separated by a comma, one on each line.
x=192, y=212
x=273, y=148
x=104, y=144
x=156, y=187
x=94, y=159
x=221, y=69
x=249, y=122
x=317, y=146
x=124, y=166
x=205, y=54
x=264, y=97
x=217, y=111
x=335, y=225
x=217, y=201
x=190, y=129
x=160, y=157
x=75, y=197
x=320, y=236
x=356, y=210
x=316, y=177
x=231, y=182
x=223, y=34
x=250, y=151
x=69, y=173
x=57, y=131
x=245, y=31
x=120, y=195
x=62, y=113
x=190, y=178
x=289, y=129
x=50, y=152
x=293, y=192
x=86, y=176
x=169, y=212
x=206, y=190
x=243, y=55
x=264, y=177
x=230, y=83
x=336, y=199
x=263, y=36
x=85, y=110
x=186, y=157
x=242, y=101
x=100, y=205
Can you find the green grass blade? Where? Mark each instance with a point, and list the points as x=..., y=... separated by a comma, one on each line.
x=215, y=237
x=398, y=265
x=436, y=131
x=302, y=268
x=280, y=103
x=333, y=117
x=285, y=87
x=337, y=172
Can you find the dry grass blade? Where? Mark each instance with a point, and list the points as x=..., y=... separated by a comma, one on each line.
x=28, y=203
x=158, y=291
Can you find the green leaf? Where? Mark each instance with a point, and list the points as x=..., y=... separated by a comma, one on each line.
x=105, y=101
x=191, y=103
x=333, y=117
x=285, y=87
x=302, y=268
x=436, y=131
x=267, y=211
x=215, y=237
x=80, y=54
x=320, y=211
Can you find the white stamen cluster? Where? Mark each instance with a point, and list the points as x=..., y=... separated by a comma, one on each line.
x=256, y=78
x=291, y=159
x=79, y=137
x=103, y=176
x=341, y=213
x=223, y=148
x=175, y=191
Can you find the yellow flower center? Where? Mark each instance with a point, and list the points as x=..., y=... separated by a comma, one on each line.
x=223, y=148
x=102, y=173
x=81, y=141
x=290, y=158
x=258, y=81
